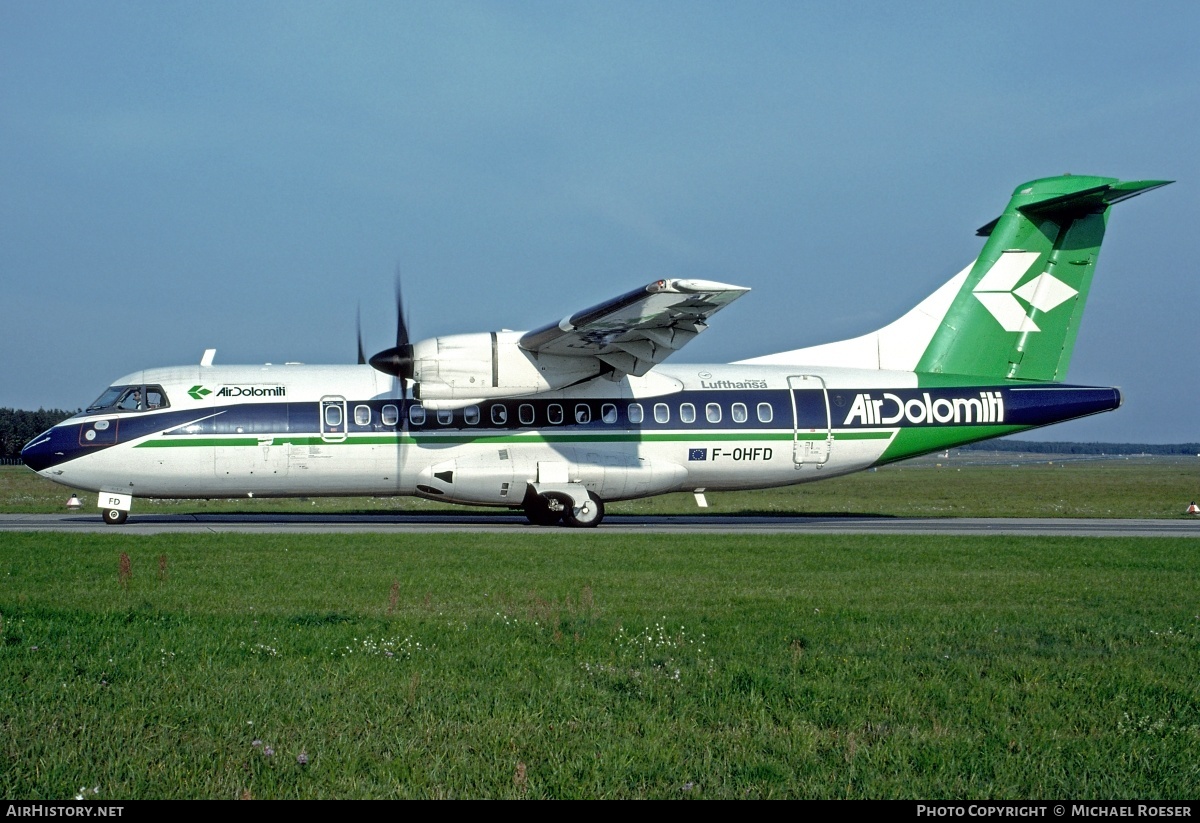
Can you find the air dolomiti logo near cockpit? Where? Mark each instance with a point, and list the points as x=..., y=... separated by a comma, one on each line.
x=997, y=288
x=199, y=392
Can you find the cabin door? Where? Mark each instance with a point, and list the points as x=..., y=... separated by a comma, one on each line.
x=812, y=437
x=333, y=419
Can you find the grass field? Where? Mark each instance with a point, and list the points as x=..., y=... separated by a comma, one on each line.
x=555, y=663
x=971, y=485
x=564, y=664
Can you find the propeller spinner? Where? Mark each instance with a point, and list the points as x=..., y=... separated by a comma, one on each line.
x=398, y=360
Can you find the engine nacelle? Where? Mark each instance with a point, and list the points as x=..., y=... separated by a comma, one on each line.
x=485, y=365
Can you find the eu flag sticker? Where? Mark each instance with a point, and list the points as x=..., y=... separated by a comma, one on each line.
x=697, y=454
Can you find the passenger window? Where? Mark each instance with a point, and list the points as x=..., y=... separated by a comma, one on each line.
x=333, y=415
x=662, y=413
x=499, y=414
x=764, y=413
x=608, y=413
x=445, y=417
x=739, y=413
x=390, y=415
x=712, y=412
x=635, y=412
x=583, y=413
x=554, y=413
x=471, y=415
x=362, y=415
x=687, y=413
x=525, y=414
x=416, y=414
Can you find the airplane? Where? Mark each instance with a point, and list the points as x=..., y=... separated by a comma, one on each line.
x=563, y=419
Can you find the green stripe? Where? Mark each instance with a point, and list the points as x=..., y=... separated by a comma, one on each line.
x=917, y=440
x=171, y=442
x=874, y=434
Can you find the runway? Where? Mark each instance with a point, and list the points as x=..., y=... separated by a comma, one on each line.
x=627, y=524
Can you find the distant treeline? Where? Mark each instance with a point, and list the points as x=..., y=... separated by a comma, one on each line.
x=18, y=427
x=1045, y=447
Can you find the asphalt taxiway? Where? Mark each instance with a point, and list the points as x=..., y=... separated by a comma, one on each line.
x=80, y=522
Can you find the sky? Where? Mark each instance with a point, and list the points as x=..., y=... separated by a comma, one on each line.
x=245, y=176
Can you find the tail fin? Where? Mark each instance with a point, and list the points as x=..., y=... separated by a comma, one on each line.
x=1018, y=312
x=1013, y=313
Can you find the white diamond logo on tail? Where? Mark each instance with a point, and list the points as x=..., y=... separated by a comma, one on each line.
x=1045, y=292
x=1008, y=312
x=996, y=291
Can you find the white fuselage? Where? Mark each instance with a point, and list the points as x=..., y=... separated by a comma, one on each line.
x=683, y=428
x=294, y=430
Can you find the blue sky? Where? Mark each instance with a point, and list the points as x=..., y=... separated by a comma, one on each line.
x=242, y=175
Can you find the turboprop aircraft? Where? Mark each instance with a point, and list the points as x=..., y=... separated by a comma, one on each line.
x=562, y=419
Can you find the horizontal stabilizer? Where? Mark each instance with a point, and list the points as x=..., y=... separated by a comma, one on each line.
x=1063, y=207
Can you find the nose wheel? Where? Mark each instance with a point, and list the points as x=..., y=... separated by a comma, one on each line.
x=115, y=517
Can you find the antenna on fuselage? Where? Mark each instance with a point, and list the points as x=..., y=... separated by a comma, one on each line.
x=207, y=359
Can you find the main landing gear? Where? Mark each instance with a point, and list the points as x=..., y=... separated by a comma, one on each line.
x=555, y=507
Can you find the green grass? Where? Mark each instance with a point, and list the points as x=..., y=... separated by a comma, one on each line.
x=1122, y=488
x=567, y=664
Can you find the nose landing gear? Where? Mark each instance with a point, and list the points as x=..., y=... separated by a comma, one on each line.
x=115, y=517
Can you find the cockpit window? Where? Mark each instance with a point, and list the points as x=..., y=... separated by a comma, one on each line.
x=107, y=400
x=130, y=399
x=155, y=398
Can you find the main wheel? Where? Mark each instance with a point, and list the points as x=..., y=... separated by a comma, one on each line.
x=587, y=516
x=115, y=517
x=543, y=511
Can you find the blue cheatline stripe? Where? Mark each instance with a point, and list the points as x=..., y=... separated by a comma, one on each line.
x=170, y=441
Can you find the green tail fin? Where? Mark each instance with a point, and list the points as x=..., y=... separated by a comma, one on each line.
x=1017, y=314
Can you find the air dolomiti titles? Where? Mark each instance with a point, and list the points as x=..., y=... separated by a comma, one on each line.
x=252, y=391
x=891, y=409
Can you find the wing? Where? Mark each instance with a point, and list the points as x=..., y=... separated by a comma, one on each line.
x=636, y=331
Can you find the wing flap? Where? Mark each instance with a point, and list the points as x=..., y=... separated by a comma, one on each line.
x=635, y=331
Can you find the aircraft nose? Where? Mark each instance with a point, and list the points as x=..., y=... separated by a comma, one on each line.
x=38, y=453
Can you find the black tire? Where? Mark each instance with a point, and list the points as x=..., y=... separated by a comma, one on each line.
x=115, y=517
x=588, y=517
x=539, y=511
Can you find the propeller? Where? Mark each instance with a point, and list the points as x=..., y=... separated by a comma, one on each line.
x=362, y=358
x=398, y=360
